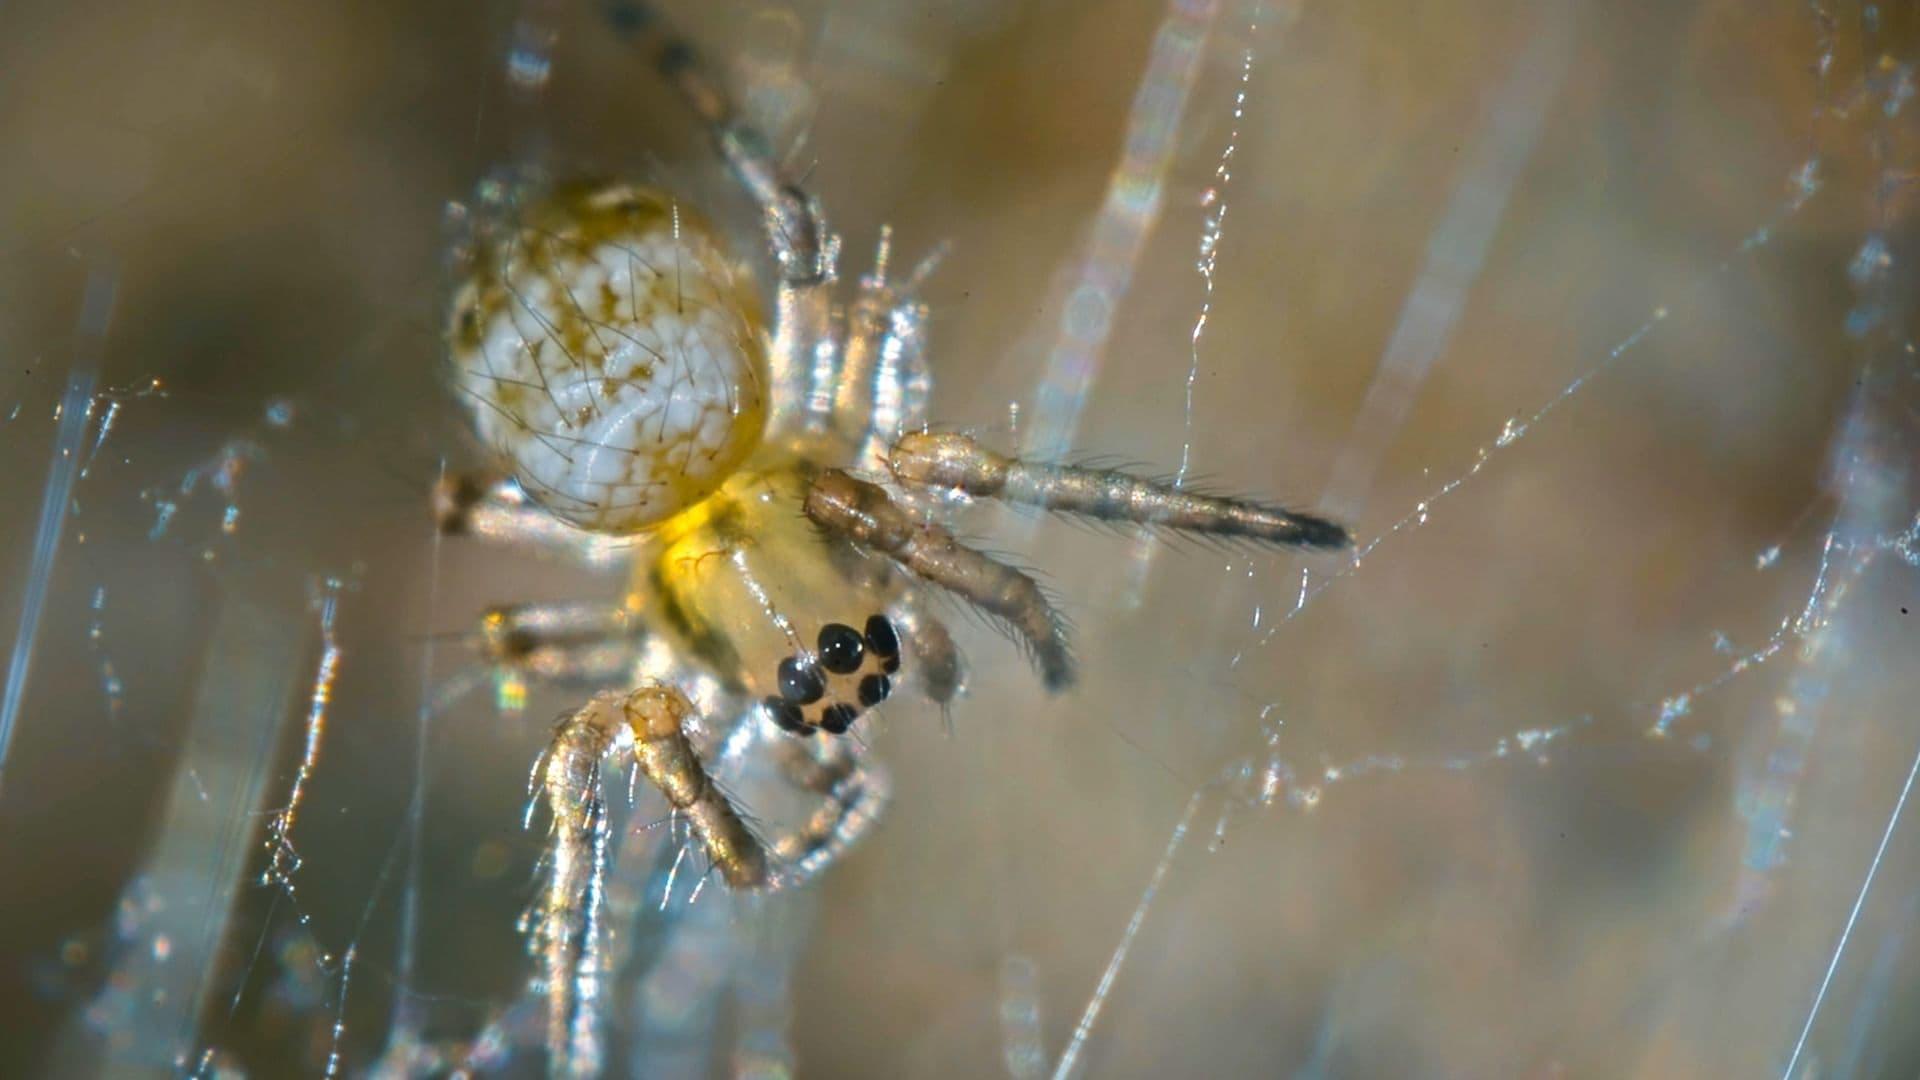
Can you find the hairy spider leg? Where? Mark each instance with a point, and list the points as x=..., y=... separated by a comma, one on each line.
x=656, y=716
x=562, y=927
x=855, y=792
x=958, y=463
x=800, y=241
x=803, y=360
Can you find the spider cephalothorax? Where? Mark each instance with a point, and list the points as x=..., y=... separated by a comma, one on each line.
x=776, y=494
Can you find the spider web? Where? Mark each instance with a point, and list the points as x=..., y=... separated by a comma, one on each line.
x=1595, y=322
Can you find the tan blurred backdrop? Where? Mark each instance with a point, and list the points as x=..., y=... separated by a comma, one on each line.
x=265, y=184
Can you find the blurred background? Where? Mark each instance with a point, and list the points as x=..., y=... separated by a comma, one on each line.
x=1595, y=320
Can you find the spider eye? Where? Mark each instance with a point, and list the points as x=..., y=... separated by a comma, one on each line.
x=800, y=682
x=613, y=353
x=835, y=719
x=881, y=637
x=786, y=714
x=874, y=690
x=840, y=648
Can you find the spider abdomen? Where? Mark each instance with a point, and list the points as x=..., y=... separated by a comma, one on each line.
x=611, y=351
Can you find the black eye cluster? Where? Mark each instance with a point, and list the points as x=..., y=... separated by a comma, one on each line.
x=840, y=651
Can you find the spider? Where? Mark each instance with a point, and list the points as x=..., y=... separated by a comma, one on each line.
x=777, y=492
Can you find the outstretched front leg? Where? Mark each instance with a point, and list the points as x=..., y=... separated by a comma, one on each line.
x=863, y=513
x=958, y=463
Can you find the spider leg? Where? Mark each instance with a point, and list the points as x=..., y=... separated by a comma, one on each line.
x=863, y=513
x=561, y=925
x=801, y=246
x=492, y=507
x=802, y=366
x=936, y=659
x=656, y=716
x=563, y=643
x=884, y=381
x=855, y=791
x=565, y=926
x=567, y=923
x=958, y=463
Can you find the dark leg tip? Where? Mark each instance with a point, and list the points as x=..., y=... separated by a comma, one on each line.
x=1321, y=533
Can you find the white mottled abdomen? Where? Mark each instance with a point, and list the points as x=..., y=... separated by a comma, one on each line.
x=613, y=353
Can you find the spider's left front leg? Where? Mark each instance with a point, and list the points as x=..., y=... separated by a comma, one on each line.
x=865, y=514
